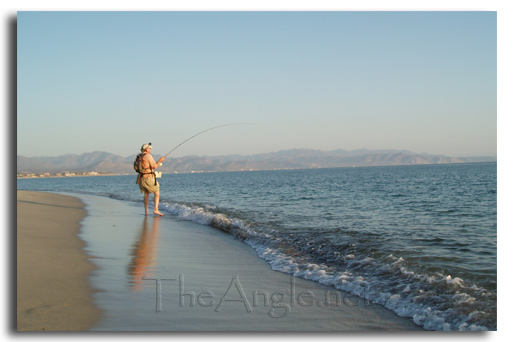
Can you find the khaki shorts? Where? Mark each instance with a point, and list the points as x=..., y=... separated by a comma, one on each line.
x=148, y=185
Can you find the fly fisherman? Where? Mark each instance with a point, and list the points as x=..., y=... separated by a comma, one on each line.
x=146, y=179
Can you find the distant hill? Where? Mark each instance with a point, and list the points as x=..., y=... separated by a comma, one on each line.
x=286, y=159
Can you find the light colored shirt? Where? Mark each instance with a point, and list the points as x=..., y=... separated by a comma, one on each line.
x=148, y=162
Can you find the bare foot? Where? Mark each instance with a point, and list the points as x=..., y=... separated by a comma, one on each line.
x=157, y=212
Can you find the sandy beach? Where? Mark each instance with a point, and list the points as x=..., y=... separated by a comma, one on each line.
x=162, y=274
x=53, y=292
x=166, y=274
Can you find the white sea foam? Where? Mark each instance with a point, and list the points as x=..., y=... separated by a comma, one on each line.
x=345, y=249
x=407, y=301
x=405, y=304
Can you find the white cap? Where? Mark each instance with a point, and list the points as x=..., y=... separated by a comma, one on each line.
x=145, y=146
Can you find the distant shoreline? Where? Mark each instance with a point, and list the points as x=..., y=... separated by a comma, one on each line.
x=110, y=163
x=90, y=174
x=44, y=175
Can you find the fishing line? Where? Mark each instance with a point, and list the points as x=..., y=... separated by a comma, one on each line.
x=209, y=129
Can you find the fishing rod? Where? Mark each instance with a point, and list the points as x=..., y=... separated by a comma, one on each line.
x=209, y=129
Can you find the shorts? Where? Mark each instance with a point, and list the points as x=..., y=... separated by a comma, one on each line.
x=148, y=185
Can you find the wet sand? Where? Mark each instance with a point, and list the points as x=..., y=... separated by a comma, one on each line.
x=53, y=292
x=164, y=274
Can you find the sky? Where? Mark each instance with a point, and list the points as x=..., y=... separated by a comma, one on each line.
x=421, y=81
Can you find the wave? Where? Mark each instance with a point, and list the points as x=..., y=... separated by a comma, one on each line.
x=351, y=261
x=435, y=301
x=362, y=259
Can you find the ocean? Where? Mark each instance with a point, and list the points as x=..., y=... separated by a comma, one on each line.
x=419, y=240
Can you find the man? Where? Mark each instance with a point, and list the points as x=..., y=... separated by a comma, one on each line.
x=146, y=179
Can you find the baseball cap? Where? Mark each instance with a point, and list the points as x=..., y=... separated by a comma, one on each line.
x=145, y=146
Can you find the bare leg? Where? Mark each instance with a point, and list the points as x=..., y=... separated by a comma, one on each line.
x=156, y=201
x=147, y=200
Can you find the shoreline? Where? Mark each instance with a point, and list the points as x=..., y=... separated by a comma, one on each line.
x=165, y=274
x=53, y=291
x=38, y=176
x=103, y=277
x=34, y=176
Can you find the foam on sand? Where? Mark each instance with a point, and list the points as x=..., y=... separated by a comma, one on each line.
x=167, y=274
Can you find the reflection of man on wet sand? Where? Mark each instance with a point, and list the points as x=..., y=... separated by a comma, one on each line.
x=143, y=254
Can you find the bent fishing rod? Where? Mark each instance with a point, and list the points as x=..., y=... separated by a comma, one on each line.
x=209, y=129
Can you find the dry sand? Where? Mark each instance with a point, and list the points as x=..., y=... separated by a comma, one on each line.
x=53, y=293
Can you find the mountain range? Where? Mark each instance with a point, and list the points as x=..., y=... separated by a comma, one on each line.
x=105, y=162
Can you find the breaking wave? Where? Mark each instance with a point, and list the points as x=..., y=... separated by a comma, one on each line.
x=435, y=301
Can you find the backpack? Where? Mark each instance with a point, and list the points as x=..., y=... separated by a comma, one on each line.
x=138, y=163
x=138, y=167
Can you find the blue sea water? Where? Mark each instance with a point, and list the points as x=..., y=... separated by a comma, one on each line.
x=419, y=240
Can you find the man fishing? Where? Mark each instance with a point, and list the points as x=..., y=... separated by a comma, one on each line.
x=146, y=179
x=145, y=164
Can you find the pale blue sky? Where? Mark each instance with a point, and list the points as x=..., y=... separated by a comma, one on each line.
x=111, y=81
